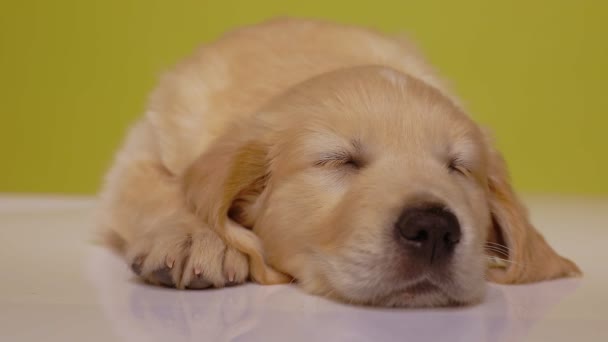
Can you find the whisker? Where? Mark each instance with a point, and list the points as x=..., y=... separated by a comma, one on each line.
x=494, y=243
x=490, y=248
x=499, y=259
x=497, y=245
x=498, y=248
x=498, y=251
x=495, y=258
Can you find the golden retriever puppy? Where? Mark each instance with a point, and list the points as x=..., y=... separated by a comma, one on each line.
x=326, y=154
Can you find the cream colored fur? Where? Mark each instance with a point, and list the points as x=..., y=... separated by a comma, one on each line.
x=221, y=181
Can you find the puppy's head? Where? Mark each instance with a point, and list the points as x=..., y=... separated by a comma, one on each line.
x=369, y=186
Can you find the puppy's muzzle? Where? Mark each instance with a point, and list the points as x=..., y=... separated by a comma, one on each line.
x=429, y=233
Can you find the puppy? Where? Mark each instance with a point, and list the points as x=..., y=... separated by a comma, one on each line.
x=326, y=154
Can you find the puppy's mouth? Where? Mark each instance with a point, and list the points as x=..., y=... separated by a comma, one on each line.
x=421, y=287
x=422, y=293
x=417, y=290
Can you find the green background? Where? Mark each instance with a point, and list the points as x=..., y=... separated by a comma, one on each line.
x=75, y=74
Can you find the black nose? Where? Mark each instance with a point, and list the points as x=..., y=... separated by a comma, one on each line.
x=429, y=232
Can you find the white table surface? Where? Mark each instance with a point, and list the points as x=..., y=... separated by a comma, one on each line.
x=58, y=286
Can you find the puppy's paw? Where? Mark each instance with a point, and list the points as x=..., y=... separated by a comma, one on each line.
x=187, y=259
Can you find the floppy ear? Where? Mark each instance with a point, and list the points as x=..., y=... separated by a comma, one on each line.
x=529, y=256
x=233, y=169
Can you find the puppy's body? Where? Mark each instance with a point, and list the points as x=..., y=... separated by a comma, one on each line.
x=227, y=146
x=232, y=78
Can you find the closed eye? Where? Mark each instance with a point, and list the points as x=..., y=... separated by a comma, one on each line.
x=457, y=166
x=339, y=159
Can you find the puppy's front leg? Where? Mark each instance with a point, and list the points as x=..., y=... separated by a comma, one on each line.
x=143, y=214
x=186, y=257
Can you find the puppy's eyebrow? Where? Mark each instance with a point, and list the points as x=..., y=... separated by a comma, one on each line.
x=356, y=143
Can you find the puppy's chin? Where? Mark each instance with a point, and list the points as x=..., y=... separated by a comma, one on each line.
x=406, y=298
x=421, y=292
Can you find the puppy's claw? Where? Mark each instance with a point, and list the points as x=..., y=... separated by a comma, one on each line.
x=197, y=271
x=136, y=265
x=231, y=275
x=163, y=276
x=170, y=262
